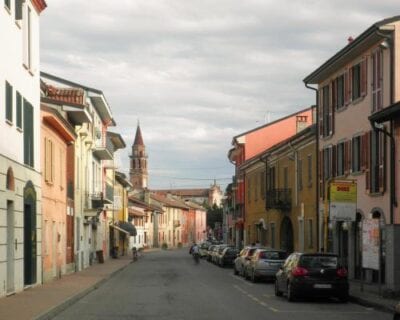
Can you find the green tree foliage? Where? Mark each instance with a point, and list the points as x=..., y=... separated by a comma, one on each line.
x=214, y=215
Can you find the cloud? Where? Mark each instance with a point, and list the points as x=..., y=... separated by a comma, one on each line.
x=197, y=73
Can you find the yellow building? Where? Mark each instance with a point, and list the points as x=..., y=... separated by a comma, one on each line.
x=281, y=195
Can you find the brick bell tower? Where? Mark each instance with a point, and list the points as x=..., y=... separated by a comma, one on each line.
x=138, y=169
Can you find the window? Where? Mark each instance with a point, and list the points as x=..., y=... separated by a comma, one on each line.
x=262, y=182
x=356, y=154
x=300, y=174
x=9, y=102
x=356, y=81
x=271, y=178
x=377, y=78
x=310, y=233
x=309, y=170
x=340, y=150
x=19, y=110
x=28, y=134
x=286, y=178
x=27, y=36
x=339, y=92
x=18, y=9
x=327, y=167
x=49, y=161
x=377, y=169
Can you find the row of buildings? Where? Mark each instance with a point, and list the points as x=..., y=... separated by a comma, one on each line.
x=326, y=178
x=64, y=204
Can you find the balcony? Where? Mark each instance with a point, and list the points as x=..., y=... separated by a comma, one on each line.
x=93, y=203
x=109, y=198
x=104, y=151
x=280, y=199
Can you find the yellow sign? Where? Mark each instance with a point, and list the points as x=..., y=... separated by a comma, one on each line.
x=343, y=192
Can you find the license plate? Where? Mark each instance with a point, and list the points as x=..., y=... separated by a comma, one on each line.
x=322, y=286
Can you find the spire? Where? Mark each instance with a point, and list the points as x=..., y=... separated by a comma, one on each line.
x=138, y=137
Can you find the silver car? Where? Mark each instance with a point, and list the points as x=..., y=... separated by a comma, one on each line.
x=243, y=259
x=264, y=264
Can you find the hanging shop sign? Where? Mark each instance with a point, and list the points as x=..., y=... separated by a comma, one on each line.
x=343, y=201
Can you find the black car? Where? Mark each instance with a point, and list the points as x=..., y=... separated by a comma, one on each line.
x=227, y=257
x=312, y=274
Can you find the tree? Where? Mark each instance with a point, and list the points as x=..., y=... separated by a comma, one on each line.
x=214, y=215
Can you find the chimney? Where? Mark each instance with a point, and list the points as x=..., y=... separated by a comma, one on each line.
x=301, y=123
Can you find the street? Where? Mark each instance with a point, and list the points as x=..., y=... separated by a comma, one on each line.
x=169, y=285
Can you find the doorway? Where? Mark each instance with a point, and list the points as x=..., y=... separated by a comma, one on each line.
x=287, y=235
x=30, y=268
x=10, y=247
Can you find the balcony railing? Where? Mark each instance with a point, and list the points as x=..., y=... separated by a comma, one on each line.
x=93, y=201
x=104, y=150
x=280, y=199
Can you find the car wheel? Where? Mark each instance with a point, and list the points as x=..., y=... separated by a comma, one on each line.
x=246, y=275
x=290, y=294
x=221, y=264
x=344, y=298
x=278, y=293
x=396, y=316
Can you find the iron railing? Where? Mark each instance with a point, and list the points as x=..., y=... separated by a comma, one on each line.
x=280, y=199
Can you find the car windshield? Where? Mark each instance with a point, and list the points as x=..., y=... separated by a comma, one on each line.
x=318, y=262
x=273, y=255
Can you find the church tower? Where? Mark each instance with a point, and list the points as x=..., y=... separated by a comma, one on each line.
x=138, y=170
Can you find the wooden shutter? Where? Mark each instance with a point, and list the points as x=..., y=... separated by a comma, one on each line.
x=331, y=107
x=28, y=134
x=18, y=9
x=346, y=156
x=362, y=153
x=9, y=102
x=334, y=161
x=320, y=114
x=381, y=162
x=321, y=174
x=367, y=139
x=379, y=79
x=346, y=77
x=364, y=77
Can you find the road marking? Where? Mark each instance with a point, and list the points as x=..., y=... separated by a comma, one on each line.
x=255, y=299
x=242, y=280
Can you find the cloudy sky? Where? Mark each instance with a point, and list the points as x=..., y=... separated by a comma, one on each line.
x=198, y=72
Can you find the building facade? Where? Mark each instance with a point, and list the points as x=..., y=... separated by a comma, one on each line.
x=20, y=167
x=360, y=82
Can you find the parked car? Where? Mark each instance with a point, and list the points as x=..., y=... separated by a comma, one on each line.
x=396, y=315
x=316, y=274
x=264, y=264
x=217, y=252
x=210, y=251
x=203, y=249
x=242, y=259
x=227, y=257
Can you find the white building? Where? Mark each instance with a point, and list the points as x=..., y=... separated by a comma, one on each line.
x=20, y=181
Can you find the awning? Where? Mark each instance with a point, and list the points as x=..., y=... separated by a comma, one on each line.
x=119, y=229
x=386, y=114
x=126, y=227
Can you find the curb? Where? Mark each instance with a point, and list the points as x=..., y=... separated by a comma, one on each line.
x=372, y=304
x=54, y=311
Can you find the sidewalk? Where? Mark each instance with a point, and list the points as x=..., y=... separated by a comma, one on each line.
x=370, y=297
x=45, y=301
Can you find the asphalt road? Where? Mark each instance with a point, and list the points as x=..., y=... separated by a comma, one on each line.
x=169, y=285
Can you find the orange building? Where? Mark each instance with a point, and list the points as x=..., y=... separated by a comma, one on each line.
x=56, y=135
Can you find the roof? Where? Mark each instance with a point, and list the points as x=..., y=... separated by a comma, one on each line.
x=386, y=114
x=138, y=138
x=144, y=205
x=370, y=36
x=303, y=134
x=184, y=192
x=69, y=95
x=39, y=5
x=61, y=125
x=194, y=205
x=271, y=123
x=136, y=213
x=168, y=202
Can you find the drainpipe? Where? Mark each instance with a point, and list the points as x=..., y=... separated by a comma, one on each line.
x=317, y=162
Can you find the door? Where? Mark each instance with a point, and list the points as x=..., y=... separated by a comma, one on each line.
x=10, y=247
x=287, y=235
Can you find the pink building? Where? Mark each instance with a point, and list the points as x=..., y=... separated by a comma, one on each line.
x=56, y=135
x=247, y=145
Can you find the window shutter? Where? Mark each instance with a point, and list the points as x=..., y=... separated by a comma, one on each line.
x=334, y=161
x=362, y=152
x=18, y=9
x=346, y=85
x=350, y=87
x=364, y=77
x=9, y=102
x=382, y=158
x=321, y=174
x=367, y=162
x=379, y=79
x=320, y=114
x=331, y=107
x=346, y=169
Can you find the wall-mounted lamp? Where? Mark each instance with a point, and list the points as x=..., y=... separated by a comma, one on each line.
x=384, y=44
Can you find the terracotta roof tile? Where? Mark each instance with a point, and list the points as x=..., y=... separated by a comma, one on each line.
x=72, y=95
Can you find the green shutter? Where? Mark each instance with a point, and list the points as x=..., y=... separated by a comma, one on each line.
x=18, y=9
x=9, y=101
x=7, y=4
x=28, y=134
x=19, y=110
